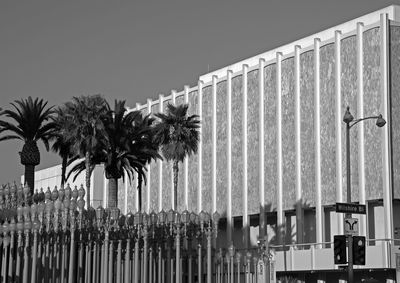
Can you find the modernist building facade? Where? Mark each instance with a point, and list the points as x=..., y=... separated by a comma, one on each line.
x=272, y=157
x=273, y=142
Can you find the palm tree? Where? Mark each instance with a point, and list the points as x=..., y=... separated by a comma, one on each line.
x=62, y=146
x=178, y=137
x=127, y=148
x=145, y=146
x=87, y=135
x=30, y=125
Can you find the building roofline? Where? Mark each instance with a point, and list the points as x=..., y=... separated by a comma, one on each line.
x=393, y=12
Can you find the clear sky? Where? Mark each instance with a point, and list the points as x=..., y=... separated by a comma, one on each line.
x=135, y=50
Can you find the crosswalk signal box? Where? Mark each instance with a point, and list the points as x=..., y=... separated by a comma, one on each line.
x=340, y=249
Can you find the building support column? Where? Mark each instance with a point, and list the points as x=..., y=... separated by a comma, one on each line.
x=148, y=185
x=338, y=127
x=186, y=161
x=360, y=114
x=171, y=167
x=200, y=150
x=214, y=145
x=245, y=219
x=297, y=122
x=386, y=161
x=317, y=132
x=261, y=153
x=279, y=173
x=160, y=162
x=229, y=159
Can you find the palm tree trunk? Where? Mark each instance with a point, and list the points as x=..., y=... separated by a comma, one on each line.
x=176, y=170
x=63, y=170
x=112, y=192
x=87, y=168
x=140, y=181
x=30, y=177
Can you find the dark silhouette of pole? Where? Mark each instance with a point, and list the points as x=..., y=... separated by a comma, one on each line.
x=350, y=122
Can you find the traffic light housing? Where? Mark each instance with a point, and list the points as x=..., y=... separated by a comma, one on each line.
x=359, y=250
x=340, y=249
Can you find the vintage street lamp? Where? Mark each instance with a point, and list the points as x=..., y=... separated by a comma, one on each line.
x=348, y=119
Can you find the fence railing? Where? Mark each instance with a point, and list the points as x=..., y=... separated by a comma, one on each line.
x=51, y=237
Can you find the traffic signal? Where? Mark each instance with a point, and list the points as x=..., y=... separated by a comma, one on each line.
x=340, y=249
x=359, y=250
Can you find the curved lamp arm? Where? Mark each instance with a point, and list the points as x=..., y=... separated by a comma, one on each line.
x=379, y=119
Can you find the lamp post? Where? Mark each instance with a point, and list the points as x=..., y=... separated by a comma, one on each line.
x=350, y=122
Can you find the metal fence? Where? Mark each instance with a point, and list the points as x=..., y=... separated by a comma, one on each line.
x=51, y=237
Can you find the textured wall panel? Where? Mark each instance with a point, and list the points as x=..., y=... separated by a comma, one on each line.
x=328, y=139
x=167, y=176
x=253, y=163
x=154, y=180
x=288, y=135
x=222, y=142
x=395, y=89
x=207, y=150
x=131, y=196
x=349, y=98
x=193, y=160
x=372, y=106
x=237, y=144
x=181, y=182
x=121, y=194
x=270, y=137
x=307, y=128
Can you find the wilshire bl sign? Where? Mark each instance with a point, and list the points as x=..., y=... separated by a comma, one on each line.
x=351, y=208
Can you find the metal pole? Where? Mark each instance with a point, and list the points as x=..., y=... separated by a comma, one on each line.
x=111, y=262
x=136, y=275
x=71, y=277
x=178, y=255
x=151, y=264
x=34, y=256
x=119, y=261
x=209, y=273
x=199, y=276
x=127, y=259
x=26, y=259
x=95, y=261
x=348, y=215
x=145, y=251
x=4, y=262
x=105, y=271
x=19, y=249
x=11, y=256
x=159, y=263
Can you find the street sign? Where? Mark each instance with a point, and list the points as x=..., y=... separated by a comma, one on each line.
x=351, y=226
x=351, y=208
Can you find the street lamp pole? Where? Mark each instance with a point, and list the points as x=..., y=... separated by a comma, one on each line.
x=350, y=122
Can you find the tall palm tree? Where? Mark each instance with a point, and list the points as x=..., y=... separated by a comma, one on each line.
x=178, y=137
x=63, y=124
x=87, y=134
x=127, y=147
x=145, y=146
x=30, y=125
